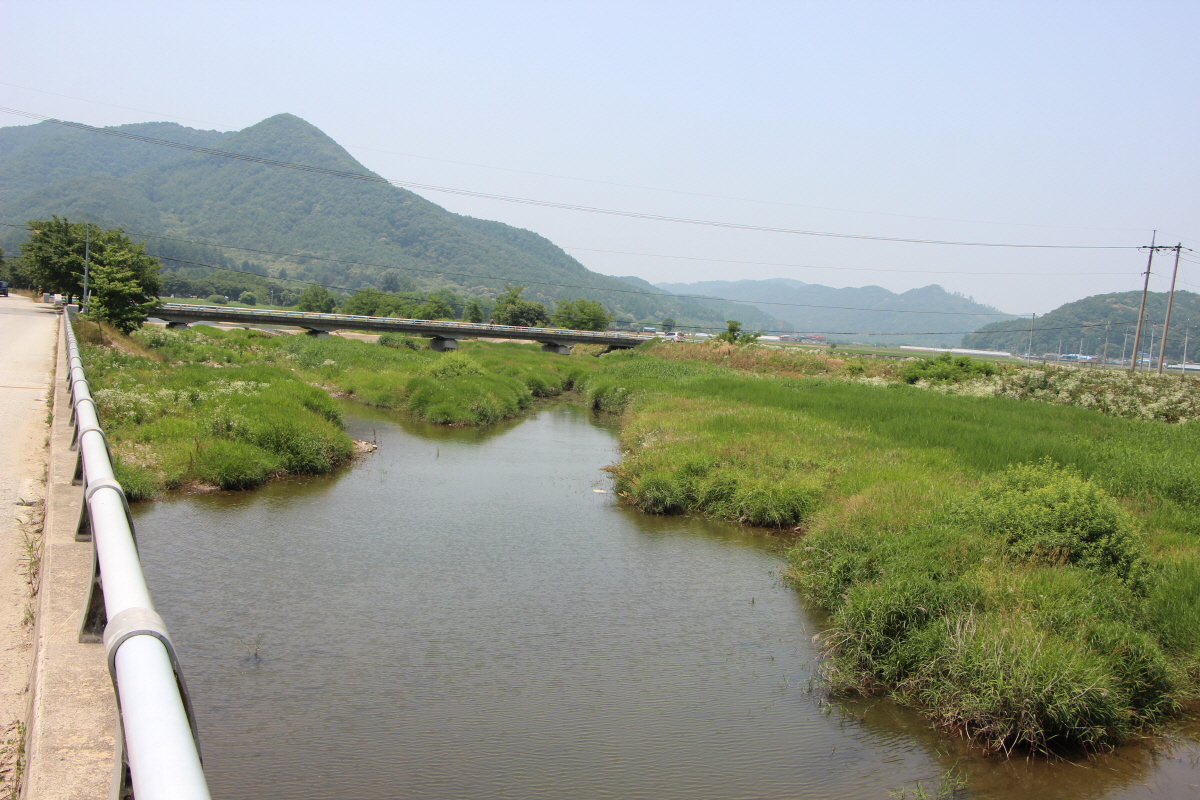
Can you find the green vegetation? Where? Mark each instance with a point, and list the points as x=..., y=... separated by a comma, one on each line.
x=1084, y=326
x=174, y=425
x=1027, y=574
x=1024, y=573
x=512, y=309
x=946, y=368
x=122, y=280
x=581, y=315
x=336, y=232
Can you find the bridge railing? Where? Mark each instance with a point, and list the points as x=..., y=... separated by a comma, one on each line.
x=450, y=326
x=158, y=752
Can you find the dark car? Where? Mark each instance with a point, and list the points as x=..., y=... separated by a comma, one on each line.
x=3, y=288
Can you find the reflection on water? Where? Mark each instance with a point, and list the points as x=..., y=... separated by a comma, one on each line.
x=469, y=614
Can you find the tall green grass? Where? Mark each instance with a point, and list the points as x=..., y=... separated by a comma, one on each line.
x=1024, y=573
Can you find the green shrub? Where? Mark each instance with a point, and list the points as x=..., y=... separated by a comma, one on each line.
x=1052, y=515
x=217, y=299
x=399, y=341
x=233, y=464
x=452, y=365
x=138, y=483
x=946, y=368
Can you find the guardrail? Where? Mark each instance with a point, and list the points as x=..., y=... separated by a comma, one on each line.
x=158, y=750
x=436, y=328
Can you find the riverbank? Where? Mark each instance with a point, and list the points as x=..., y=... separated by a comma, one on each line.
x=1041, y=607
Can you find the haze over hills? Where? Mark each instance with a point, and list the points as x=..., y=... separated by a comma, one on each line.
x=366, y=228
x=850, y=314
x=1084, y=325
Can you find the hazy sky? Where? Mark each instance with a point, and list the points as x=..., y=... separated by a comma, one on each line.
x=1035, y=123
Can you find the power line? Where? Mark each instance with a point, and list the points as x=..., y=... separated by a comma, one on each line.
x=813, y=266
x=612, y=183
x=372, y=178
x=502, y=279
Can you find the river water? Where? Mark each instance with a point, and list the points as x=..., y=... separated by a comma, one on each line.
x=471, y=614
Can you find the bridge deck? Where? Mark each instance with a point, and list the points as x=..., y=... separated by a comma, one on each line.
x=436, y=329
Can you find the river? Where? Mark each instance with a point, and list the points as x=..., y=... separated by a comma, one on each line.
x=470, y=614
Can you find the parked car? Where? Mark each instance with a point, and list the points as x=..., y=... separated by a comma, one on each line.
x=3, y=288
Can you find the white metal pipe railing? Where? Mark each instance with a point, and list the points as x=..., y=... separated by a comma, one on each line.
x=158, y=755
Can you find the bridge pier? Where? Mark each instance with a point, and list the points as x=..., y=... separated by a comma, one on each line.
x=555, y=347
x=177, y=325
x=442, y=344
x=315, y=332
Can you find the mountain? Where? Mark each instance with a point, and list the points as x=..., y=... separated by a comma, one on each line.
x=1083, y=325
x=337, y=231
x=850, y=314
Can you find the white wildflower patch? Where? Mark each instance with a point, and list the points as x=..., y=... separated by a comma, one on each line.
x=129, y=404
x=1119, y=393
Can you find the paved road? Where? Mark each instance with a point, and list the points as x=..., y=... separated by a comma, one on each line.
x=27, y=336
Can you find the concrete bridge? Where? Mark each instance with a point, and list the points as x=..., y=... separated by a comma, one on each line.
x=444, y=334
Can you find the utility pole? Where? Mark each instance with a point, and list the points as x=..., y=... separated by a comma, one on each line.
x=1104, y=358
x=1150, y=351
x=1137, y=336
x=87, y=243
x=1162, y=352
x=1029, y=352
x=1124, y=346
x=1183, y=363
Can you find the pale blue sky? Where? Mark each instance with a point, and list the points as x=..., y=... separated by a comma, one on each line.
x=1049, y=122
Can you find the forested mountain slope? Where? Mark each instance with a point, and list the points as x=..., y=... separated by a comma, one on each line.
x=336, y=231
x=1083, y=325
x=885, y=317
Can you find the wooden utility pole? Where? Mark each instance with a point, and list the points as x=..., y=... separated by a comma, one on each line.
x=1162, y=350
x=1137, y=334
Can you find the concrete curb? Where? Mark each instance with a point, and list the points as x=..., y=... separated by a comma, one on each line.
x=70, y=733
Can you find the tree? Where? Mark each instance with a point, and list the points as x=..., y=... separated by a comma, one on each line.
x=393, y=281
x=668, y=325
x=118, y=295
x=316, y=298
x=365, y=302
x=512, y=309
x=581, y=315
x=248, y=298
x=473, y=311
x=434, y=308
x=53, y=258
x=735, y=335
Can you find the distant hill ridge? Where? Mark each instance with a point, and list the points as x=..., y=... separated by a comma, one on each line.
x=154, y=189
x=1083, y=326
x=826, y=310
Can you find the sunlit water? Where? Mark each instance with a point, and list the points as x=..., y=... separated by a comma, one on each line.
x=470, y=614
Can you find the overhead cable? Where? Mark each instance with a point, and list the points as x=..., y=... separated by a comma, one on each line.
x=372, y=178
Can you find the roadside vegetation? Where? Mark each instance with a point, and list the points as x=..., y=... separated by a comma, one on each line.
x=1026, y=573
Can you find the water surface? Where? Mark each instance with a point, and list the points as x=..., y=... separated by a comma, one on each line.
x=470, y=614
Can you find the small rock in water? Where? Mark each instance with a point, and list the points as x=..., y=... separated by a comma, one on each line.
x=600, y=491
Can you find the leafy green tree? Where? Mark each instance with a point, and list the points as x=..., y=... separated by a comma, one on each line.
x=53, y=258
x=365, y=302
x=248, y=298
x=217, y=299
x=118, y=295
x=581, y=315
x=434, y=308
x=473, y=311
x=316, y=298
x=512, y=309
x=394, y=281
x=735, y=335
x=668, y=325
